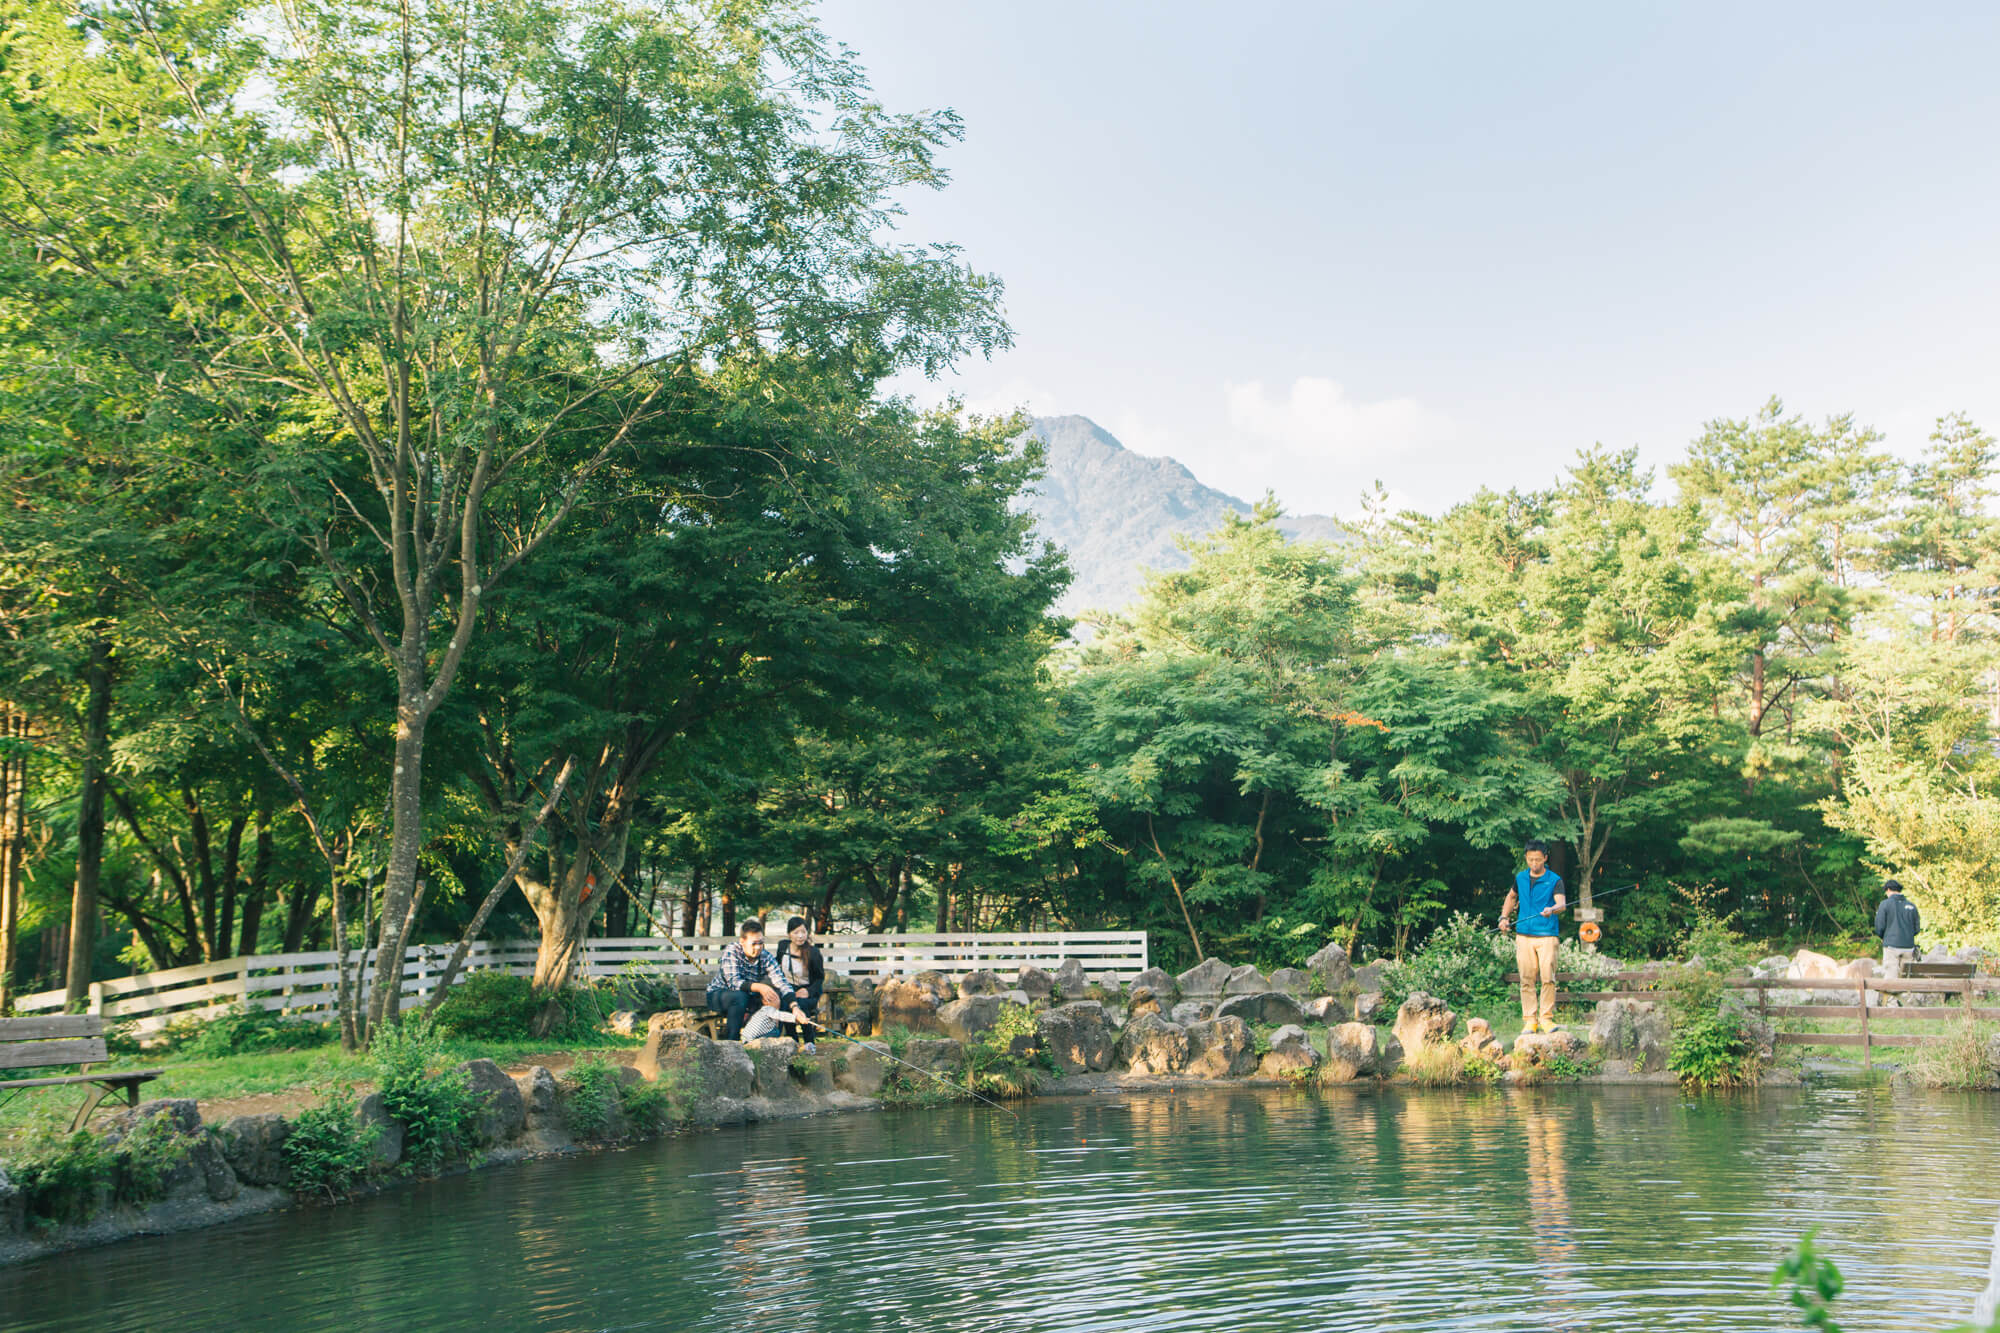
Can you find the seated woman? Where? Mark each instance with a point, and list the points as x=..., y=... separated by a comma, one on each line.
x=804, y=971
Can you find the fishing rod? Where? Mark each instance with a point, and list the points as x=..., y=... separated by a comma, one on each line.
x=815, y=1023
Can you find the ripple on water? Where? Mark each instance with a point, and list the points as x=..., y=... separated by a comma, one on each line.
x=1352, y=1210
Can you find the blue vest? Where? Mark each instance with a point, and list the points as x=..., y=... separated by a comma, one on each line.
x=1535, y=895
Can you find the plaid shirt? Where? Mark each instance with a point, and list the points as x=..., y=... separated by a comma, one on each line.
x=739, y=970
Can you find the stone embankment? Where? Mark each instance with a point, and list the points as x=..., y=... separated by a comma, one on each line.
x=1325, y=1023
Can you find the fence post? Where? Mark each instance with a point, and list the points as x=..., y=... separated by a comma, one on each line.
x=1867, y=1042
x=96, y=1003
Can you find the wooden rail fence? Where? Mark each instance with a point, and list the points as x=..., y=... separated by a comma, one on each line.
x=1947, y=981
x=306, y=985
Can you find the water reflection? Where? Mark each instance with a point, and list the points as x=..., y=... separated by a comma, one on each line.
x=1352, y=1209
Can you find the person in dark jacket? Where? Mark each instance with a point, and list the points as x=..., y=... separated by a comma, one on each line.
x=1897, y=922
x=804, y=970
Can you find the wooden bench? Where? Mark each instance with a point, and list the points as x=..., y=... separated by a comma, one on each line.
x=65, y=1039
x=694, y=999
x=1937, y=971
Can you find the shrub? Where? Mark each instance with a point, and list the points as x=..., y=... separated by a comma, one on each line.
x=592, y=1101
x=1958, y=1062
x=1436, y=1066
x=1458, y=964
x=240, y=1031
x=435, y=1106
x=1559, y=1064
x=651, y=1107
x=65, y=1177
x=489, y=1006
x=992, y=1067
x=328, y=1149
x=1712, y=1050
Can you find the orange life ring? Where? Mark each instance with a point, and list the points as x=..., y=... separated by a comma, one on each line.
x=1590, y=932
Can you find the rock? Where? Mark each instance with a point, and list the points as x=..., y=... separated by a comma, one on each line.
x=1993, y=1053
x=678, y=1020
x=1634, y=1030
x=965, y=1019
x=1368, y=976
x=1192, y=1011
x=1292, y=981
x=1775, y=965
x=1809, y=966
x=1151, y=1045
x=940, y=1055
x=941, y=987
x=1270, y=1007
x=1330, y=968
x=861, y=1068
x=203, y=1170
x=1368, y=1006
x=1204, y=980
x=502, y=1111
x=254, y=1147
x=1019, y=997
x=1143, y=1002
x=906, y=1004
x=1077, y=1037
x=1424, y=1020
x=1861, y=969
x=538, y=1089
x=771, y=1068
x=1291, y=1051
x=1355, y=1050
x=1245, y=980
x=1070, y=980
x=1763, y=1038
x=714, y=1077
x=1159, y=981
x=624, y=1022
x=388, y=1130
x=1328, y=1009
x=1035, y=983
x=981, y=982
x=13, y=1207
x=1534, y=1048
x=1480, y=1043
x=1221, y=1048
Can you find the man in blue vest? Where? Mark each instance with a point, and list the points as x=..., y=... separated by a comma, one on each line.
x=1535, y=902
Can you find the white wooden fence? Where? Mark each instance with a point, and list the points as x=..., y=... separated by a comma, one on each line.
x=306, y=985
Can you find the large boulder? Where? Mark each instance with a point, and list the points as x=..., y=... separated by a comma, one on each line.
x=1273, y=1007
x=861, y=1067
x=713, y=1077
x=1634, y=1030
x=1424, y=1020
x=1809, y=966
x=538, y=1090
x=980, y=982
x=1368, y=1006
x=1993, y=1054
x=1368, y=976
x=1356, y=1050
x=1221, y=1048
x=771, y=1068
x=1143, y=1001
x=254, y=1146
x=939, y=1055
x=1111, y=983
x=965, y=1019
x=1291, y=1051
x=1480, y=1043
x=1245, y=980
x=1192, y=1011
x=1071, y=982
x=502, y=1112
x=901, y=1003
x=1204, y=980
x=1038, y=984
x=1535, y=1048
x=1331, y=968
x=373, y=1113
x=1292, y=981
x=1151, y=1045
x=201, y=1170
x=1077, y=1036
x=940, y=987
x=1328, y=1009
x=1159, y=981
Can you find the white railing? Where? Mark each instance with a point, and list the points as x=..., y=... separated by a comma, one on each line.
x=307, y=985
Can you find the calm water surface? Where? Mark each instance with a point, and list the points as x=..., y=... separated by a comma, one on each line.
x=1621, y=1209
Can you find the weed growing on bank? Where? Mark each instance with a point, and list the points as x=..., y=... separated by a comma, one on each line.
x=433, y=1103
x=329, y=1150
x=67, y=1177
x=1958, y=1063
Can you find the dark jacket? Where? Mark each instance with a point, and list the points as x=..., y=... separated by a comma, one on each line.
x=1897, y=922
x=815, y=968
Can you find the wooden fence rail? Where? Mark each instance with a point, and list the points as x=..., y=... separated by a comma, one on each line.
x=1967, y=989
x=307, y=985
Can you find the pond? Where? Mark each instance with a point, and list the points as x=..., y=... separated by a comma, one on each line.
x=1573, y=1208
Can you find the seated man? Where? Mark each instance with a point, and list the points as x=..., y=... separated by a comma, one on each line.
x=748, y=981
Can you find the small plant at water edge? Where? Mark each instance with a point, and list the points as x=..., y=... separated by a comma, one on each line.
x=1712, y=1050
x=328, y=1149
x=67, y=1177
x=435, y=1106
x=1440, y=1066
x=591, y=1100
x=1961, y=1061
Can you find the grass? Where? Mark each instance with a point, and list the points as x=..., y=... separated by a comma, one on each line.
x=227, y=1077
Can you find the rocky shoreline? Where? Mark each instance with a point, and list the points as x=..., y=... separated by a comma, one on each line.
x=1210, y=1026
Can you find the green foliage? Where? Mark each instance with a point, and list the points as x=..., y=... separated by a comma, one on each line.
x=489, y=1004
x=1960, y=1062
x=1460, y=963
x=651, y=1108
x=328, y=1149
x=1811, y=1282
x=244, y=1031
x=1438, y=1066
x=1566, y=1068
x=992, y=1067
x=435, y=1105
x=592, y=1098
x=67, y=1177
x=1712, y=1050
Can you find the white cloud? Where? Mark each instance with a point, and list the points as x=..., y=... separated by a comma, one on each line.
x=1317, y=446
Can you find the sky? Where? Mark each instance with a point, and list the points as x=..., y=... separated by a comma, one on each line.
x=1306, y=247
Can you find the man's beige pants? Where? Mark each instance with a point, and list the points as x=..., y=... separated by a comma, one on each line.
x=1535, y=957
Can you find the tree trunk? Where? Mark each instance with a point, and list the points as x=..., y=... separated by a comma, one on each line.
x=89, y=824
x=260, y=884
x=13, y=774
x=232, y=870
x=732, y=879
x=299, y=906
x=903, y=899
x=406, y=838
x=691, y=903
